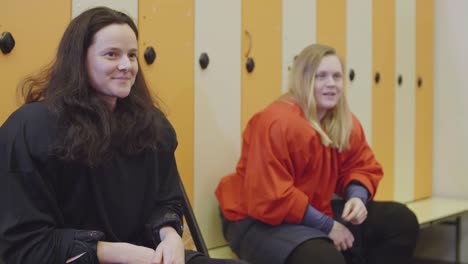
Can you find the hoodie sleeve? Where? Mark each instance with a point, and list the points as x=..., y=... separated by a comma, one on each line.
x=167, y=209
x=358, y=164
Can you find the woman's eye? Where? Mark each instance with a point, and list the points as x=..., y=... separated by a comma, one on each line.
x=133, y=56
x=321, y=75
x=337, y=76
x=111, y=54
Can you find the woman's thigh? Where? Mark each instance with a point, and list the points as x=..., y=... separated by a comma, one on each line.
x=261, y=243
x=316, y=251
x=384, y=220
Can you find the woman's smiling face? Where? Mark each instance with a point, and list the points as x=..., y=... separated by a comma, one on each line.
x=111, y=62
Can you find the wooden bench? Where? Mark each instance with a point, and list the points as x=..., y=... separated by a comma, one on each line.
x=439, y=210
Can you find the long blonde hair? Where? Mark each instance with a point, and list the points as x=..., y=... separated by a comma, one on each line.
x=335, y=127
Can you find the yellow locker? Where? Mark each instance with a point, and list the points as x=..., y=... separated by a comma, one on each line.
x=37, y=27
x=424, y=98
x=331, y=24
x=261, y=42
x=383, y=97
x=168, y=27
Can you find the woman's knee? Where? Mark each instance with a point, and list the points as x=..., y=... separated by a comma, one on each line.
x=316, y=251
x=406, y=219
x=396, y=218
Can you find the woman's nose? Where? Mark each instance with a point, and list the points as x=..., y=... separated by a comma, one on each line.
x=330, y=80
x=124, y=63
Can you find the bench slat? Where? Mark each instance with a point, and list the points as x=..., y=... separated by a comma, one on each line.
x=438, y=208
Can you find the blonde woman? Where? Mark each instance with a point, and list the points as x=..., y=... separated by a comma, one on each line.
x=296, y=154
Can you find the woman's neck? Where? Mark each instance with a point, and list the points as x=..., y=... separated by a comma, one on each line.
x=321, y=114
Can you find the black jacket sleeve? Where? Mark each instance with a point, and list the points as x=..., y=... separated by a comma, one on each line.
x=30, y=218
x=168, y=209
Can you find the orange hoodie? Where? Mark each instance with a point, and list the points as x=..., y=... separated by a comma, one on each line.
x=284, y=166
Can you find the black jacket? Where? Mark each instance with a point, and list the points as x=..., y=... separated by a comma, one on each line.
x=52, y=210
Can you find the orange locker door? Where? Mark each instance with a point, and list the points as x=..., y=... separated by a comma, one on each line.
x=37, y=27
x=424, y=98
x=331, y=24
x=168, y=27
x=261, y=42
x=383, y=96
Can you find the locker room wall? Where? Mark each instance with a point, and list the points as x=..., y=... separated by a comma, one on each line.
x=450, y=96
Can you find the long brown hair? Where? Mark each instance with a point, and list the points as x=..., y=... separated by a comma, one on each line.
x=335, y=127
x=87, y=130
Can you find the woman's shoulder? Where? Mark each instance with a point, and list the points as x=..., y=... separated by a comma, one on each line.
x=283, y=119
x=356, y=124
x=281, y=112
x=31, y=124
x=32, y=115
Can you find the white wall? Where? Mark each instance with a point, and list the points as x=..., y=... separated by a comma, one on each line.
x=129, y=7
x=451, y=98
x=450, y=124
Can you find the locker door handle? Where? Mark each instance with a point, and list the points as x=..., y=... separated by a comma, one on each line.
x=7, y=42
x=250, y=65
x=377, y=77
x=150, y=55
x=420, y=81
x=351, y=75
x=204, y=60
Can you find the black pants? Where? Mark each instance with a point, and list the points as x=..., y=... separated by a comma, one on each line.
x=388, y=235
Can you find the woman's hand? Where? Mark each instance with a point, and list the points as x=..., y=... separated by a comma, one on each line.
x=341, y=236
x=171, y=248
x=354, y=211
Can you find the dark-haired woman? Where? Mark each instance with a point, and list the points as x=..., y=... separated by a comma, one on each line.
x=87, y=167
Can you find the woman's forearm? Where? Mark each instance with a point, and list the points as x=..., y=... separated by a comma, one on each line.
x=109, y=252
